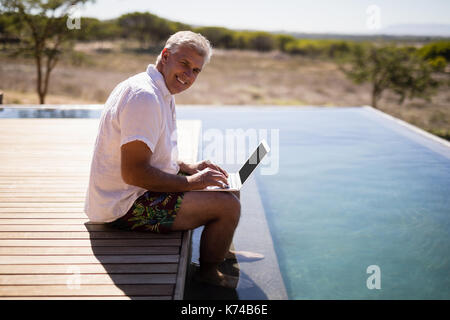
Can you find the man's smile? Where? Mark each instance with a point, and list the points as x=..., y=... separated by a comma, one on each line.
x=180, y=81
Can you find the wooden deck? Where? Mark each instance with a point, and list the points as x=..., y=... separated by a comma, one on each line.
x=48, y=248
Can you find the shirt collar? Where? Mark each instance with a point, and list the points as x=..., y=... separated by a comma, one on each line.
x=158, y=78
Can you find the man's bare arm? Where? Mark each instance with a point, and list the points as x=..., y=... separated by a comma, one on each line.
x=136, y=170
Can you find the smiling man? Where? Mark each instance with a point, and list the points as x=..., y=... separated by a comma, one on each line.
x=136, y=181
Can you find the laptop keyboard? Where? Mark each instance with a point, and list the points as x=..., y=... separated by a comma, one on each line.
x=231, y=181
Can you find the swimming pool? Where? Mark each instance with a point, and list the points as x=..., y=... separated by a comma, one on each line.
x=353, y=191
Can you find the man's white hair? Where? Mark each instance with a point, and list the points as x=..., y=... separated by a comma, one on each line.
x=191, y=39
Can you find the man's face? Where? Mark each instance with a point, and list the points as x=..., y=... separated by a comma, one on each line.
x=181, y=68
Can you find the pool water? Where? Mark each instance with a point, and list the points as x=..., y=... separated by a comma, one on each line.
x=52, y=111
x=353, y=190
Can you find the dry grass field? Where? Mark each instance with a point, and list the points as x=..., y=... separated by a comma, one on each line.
x=232, y=78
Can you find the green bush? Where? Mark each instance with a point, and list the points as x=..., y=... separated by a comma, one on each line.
x=262, y=41
x=218, y=36
x=443, y=133
x=434, y=50
x=94, y=29
x=283, y=40
x=318, y=48
x=241, y=40
x=245, y=40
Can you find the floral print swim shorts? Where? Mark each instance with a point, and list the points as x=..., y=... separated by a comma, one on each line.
x=153, y=211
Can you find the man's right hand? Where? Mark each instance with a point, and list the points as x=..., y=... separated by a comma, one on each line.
x=205, y=178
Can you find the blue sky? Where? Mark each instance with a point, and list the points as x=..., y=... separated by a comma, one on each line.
x=344, y=16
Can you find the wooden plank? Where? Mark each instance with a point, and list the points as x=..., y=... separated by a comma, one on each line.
x=41, y=198
x=80, y=228
x=20, y=175
x=23, y=177
x=32, y=200
x=45, y=139
x=71, y=150
x=44, y=233
x=47, y=174
x=51, y=279
x=76, y=165
x=165, y=258
x=34, y=251
x=41, y=215
x=87, y=235
x=41, y=205
x=42, y=181
x=90, y=298
x=86, y=290
x=45, y=186
x=43, y=227
x=22, y=123
x=185, y=259
x=89, y=268
x=41, y=189
x=93, y=243
x=53, y=156
x=20, y=221
x=59, y=194
x=21, y=194
x=31, y=209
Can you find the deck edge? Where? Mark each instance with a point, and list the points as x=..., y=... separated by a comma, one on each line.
x=183, y=264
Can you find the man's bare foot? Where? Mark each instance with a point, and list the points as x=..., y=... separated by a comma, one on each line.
x=217, y=278
x=243, y=255
x=220, y=279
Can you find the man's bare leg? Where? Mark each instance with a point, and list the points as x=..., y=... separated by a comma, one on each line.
x=219, y=212
x=243, y=255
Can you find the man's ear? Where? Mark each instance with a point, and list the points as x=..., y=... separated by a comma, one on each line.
x=165, y=55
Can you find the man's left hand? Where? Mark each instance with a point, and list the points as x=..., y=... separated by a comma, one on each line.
x=199, y=166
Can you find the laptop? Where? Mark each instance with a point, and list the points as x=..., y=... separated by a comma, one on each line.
x=236, y=180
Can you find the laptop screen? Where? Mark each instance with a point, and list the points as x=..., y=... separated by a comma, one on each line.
x=253, y=161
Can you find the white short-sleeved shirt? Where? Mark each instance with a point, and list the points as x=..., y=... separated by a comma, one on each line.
x=139, y=108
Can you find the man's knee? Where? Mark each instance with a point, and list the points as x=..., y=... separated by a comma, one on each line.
x=237, y=194
x=231, y=208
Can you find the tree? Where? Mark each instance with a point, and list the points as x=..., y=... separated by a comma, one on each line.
x=147, y=28
x=400, y=70
x=9, y=29
x=46, y=32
